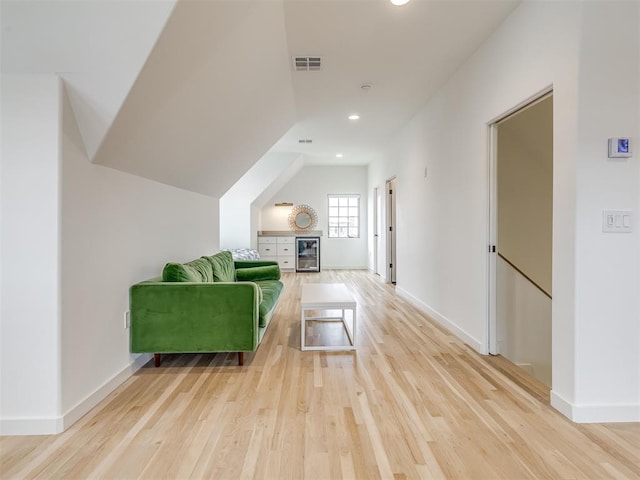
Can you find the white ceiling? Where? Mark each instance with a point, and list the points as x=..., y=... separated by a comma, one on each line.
x=406, y=53
x=199, y=103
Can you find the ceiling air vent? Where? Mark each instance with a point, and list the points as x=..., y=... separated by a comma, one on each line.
x=307, y=64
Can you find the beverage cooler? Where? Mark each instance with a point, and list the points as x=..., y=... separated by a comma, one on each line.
x=307, y=254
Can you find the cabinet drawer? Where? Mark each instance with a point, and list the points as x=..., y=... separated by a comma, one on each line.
x=267, y=250
x=286, y=249
x=286, y=240
x=267, y=239
x=287, y=263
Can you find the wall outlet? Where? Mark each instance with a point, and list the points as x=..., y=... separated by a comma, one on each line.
x=126, y=319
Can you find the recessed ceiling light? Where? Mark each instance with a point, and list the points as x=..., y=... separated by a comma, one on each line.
x=339, y=155
x=354, y=116
x=399, y=2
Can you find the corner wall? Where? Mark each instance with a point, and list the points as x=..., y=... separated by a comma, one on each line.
x=117, y=229
x=75, y=237
x=30, y=283
x=442, y=226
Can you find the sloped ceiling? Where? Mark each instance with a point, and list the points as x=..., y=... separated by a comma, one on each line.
x=192, y=93
x=98, y=47
x=213, y=97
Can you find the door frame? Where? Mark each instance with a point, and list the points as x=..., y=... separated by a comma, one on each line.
x=491, y=344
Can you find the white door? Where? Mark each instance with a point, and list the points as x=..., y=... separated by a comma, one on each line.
x=376, y=229
x=391, y=230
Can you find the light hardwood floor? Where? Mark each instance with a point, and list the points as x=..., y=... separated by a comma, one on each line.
x=411, y=402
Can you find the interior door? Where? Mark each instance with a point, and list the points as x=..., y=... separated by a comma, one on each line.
x=391, y=230
x=376, y=230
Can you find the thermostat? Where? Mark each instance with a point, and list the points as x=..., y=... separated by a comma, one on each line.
x=619, y=147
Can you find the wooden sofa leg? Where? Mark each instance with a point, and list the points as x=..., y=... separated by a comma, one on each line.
x=240, y=358
x=156, y=359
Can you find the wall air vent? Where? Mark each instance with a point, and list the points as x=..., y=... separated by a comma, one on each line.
x=307, y=64
x=305, y=140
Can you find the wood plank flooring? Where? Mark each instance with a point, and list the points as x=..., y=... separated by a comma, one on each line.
x=412, y=402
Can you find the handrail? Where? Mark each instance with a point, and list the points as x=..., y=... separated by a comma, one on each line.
x=525, y=275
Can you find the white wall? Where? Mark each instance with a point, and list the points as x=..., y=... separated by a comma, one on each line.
x=443, y=219
x=117, y=229
x=75, y=237
x=310, y=187
x=30, y=321
x=607, y=283
x=237, y=214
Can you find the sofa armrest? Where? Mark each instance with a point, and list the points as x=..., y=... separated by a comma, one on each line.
x=253, y=263
x=194, y=317
x=255, y=274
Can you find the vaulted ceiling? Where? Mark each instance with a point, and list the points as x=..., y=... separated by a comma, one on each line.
x=192, y=93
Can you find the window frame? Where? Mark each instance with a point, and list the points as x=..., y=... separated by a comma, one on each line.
x=343, y=221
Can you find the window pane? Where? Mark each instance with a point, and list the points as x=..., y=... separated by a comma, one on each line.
x=344, y=216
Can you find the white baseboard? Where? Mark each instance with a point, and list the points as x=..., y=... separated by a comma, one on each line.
x=84, y=406
x=474, y=343
x=52, y=426
x=612, y=413
x=342, y=267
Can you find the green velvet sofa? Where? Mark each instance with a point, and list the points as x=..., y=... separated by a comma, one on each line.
x=211, y=304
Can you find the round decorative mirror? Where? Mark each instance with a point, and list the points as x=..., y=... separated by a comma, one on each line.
x=302, y=218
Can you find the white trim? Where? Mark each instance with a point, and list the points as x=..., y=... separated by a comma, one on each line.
x=492, y=240
x=478, y=345
x=603, y=413
x=54, y=425
x=84, y=406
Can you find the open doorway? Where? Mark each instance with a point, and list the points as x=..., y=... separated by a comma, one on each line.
x=522, y=218
x=391, y=230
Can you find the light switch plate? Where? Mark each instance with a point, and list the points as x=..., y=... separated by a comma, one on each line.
x=617, y=221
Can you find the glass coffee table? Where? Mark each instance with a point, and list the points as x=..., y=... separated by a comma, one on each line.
x=328, y=302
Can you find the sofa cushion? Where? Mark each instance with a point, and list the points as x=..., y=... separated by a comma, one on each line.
x=198, y=270
x=253, y=274
x=223, y=267
x=270, y=292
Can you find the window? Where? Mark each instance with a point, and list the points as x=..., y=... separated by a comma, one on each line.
x=344, y=216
